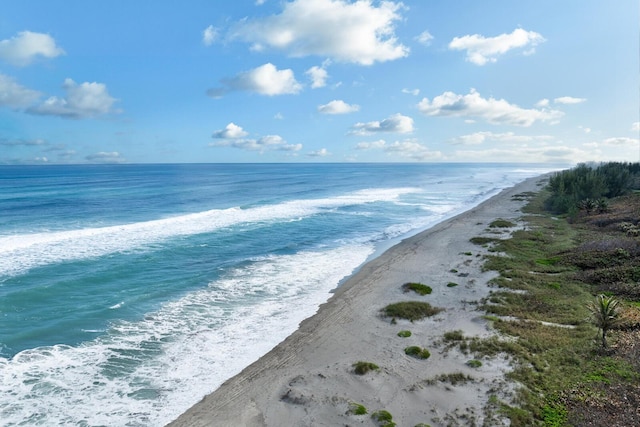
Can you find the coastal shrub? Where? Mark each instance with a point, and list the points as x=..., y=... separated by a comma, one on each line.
x=454, y=378
x=456, y=335
x=501, y=223
x=451, y=285
x=474, y=363
x=357, y=409
x=362, y=368
x=417, y=352
x=418, y=288
x=404, y=334
x=481, y=240
x=384, y=418
x=410, y=310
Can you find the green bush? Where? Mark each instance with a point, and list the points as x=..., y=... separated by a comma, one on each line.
x=384, y=418
x=404, y=334
x=417, y=352
x=362, y=368
x=474, y=363
x=454, y=336
x=451, y=285
x=410, y=310
x=418, y=288
x=357, y=409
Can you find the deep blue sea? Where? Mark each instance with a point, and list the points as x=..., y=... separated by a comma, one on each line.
x=129, y=292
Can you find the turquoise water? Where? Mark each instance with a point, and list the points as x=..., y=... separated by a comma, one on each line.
x=129, y=292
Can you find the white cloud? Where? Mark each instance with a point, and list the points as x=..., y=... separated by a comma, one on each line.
x=318, y=76
x=338, y=106
x=231, y=131
x=408, y=149
x=481, y=50
x=540, y=154
x=396, y=123
x=24, y=48
x=495, y=111
x=506, y=137
x=542, y=103
x=263, y=144
x=209, y=35
x=264, y=80
x=81, y=101
x=414, y=92
x=22, y=142
x=319, y=153
x=15, y=96
x=425, y=38
x=621, y=142
x=569, y=100
x=635, y=126
x=106, y=157
x=347, y=31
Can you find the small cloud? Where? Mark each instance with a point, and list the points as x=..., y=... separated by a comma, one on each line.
x=621, y=142
x=379, y=144
x=635, y=126
x=106, y=157
x=506, y=137
x=585, y=129
x=494, y=111
x=231, y=131
x=338, y=106
x=15, y=96
x=263, y=144
x=542, y=103
x=409, y=149
x=481, y=50
x=22, y=142
x=569, y=100
x=264, y=80
x=83, y=100
x=319, y=153
x=396, y=123
x=23, y=49
x=414, y=92
x=318, y=75
x=209, y=35
x=278, y=116
x=424, y=38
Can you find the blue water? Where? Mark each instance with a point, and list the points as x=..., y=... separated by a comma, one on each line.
x=128, y=292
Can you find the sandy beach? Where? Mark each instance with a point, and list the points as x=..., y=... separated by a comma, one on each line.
x=308, y=379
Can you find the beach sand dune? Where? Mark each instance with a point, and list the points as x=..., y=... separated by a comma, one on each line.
x=308, y=379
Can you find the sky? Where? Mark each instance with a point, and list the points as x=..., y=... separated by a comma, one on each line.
x=540, y=81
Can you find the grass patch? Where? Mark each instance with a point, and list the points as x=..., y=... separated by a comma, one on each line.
x=474, y=363
x=456, y=335
x=417, y=352
x=418, y=288
x=453, y=378
x=410, y=310
x=361, y=368
x=357, y=409
x=452, y=285
x=404, y=334
x=482, y=240
x=501, y=223
x=383, y=418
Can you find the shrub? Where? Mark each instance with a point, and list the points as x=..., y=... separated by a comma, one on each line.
x=384, y=418
x=362, y=368
x=454, y=336
x=417, y=352
x=410, y=310
x=474, y=363
x=418, y=288
x=451, y=285
x=357, y=409
x=501, y=223
x=404, y=334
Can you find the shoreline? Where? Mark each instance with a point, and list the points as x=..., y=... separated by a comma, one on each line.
x=308, y=378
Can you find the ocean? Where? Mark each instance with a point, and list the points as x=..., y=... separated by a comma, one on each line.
x=128, y=292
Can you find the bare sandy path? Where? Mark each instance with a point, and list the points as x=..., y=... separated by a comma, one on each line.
x=308, y=379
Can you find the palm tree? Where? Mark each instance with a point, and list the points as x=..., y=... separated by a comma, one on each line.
x=605, y=314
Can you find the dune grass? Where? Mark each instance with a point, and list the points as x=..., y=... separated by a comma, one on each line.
x=410, y=310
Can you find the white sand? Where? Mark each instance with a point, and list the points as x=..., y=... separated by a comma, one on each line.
x=308, y=379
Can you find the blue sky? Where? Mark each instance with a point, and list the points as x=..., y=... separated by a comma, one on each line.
x=319, y=80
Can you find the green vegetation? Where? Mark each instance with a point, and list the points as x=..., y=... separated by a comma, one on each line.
x=453, y=378
x=404, y=334
x=357, y=409
x=557, y=266
x=474, y=363
x=418, y=288
x=452, y=285
x=417, y=352
x=362, y=368
x=605, y=314
x=456, y=335
x=482, y=240
x=410, y=310
x=501, y=223
x=384, y=418
x=570, y=189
